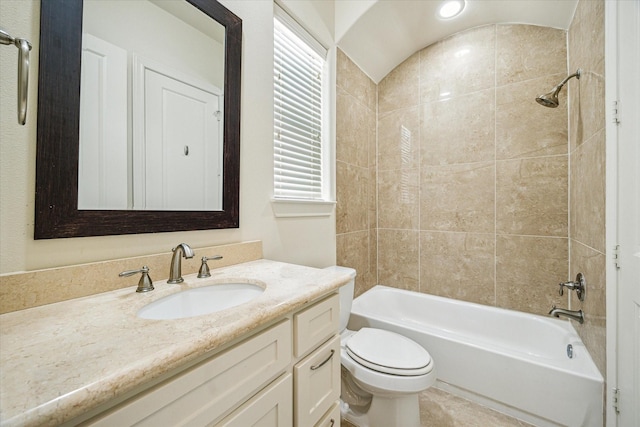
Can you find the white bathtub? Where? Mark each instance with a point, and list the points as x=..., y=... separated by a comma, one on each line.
x=514, y=362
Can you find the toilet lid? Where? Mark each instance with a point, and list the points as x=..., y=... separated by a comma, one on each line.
x=388, y=352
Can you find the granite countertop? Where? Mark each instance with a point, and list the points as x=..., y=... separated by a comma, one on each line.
x=60, y=360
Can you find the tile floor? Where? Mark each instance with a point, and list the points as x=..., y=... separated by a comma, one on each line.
x=441, y=409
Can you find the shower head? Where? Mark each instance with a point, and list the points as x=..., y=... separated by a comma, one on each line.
x=550, y=99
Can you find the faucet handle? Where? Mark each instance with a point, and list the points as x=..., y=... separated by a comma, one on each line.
x=145, y=284
x=204, y=268
x=579, y=285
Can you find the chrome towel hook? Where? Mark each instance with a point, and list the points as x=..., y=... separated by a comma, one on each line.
x=24, y=47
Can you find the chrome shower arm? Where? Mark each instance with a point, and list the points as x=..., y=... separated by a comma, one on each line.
x=576, y=75
x=559, y=86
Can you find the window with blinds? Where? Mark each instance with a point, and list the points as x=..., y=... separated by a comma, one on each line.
x=299, y=63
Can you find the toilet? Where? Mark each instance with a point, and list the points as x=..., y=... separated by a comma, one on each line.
x=382, y=372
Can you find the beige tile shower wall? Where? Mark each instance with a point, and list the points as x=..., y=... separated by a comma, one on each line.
x=356, y=215
x=587, y=177
x=473, y=173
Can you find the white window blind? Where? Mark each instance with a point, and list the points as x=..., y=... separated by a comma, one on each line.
x=298, y=87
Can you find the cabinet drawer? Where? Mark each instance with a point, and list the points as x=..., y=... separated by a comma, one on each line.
x=331, y=418
x=208, y=391
x=317, y=383
x=314, y=325
x=272, y=407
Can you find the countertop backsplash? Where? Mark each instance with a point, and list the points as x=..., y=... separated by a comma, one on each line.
x=19, y=291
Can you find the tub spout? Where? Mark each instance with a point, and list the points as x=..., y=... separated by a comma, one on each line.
x=571, y=314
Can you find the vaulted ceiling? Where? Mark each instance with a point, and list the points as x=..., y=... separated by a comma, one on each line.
x=378, y=35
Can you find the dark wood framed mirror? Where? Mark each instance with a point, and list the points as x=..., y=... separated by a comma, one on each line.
x=57, y=214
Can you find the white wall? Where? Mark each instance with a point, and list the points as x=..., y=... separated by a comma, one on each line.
x=309, y=241
x=145, y=29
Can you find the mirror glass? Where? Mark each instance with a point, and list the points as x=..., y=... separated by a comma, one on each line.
x=151, y=100
x=88, y=160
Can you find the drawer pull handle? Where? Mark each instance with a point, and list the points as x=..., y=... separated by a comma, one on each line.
x=314, y=367
x=332, y=422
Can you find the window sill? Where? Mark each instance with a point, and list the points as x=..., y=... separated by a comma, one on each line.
x=292, y=208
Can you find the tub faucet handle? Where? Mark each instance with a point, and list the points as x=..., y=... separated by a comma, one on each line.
x=579, y=285
x=204, y=268
x=145, y=284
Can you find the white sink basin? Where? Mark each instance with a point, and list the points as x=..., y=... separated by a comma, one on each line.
x=199, y=301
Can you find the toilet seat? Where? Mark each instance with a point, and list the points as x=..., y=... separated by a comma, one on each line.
x=388, y=352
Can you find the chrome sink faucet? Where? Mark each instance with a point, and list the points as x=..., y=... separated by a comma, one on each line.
x=175, y=272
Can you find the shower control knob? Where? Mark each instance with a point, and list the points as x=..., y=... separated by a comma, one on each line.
x=579, y=285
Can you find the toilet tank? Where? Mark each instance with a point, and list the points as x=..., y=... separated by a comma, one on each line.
x=346, y=294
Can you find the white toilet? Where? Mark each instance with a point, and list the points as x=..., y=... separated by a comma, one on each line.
x=382, y=372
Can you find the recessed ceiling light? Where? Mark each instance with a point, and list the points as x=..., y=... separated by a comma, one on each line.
x=451, y=8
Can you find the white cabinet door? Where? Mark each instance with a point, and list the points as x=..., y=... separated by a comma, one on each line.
x=316, y=324
x=317, y=383
x=272, y=407
x=331, y=418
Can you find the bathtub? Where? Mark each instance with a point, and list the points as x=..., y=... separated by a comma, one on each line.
x=513, y=362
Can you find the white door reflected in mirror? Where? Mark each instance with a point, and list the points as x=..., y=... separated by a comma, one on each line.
x=177, y=150
x=149, y=88
x=103, y=160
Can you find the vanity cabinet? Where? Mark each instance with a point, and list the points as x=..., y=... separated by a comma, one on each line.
x=284, y=376
x=206, y=392
x=271, y=407
x=331, y=418
x=317, y=383
x=316, y=376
